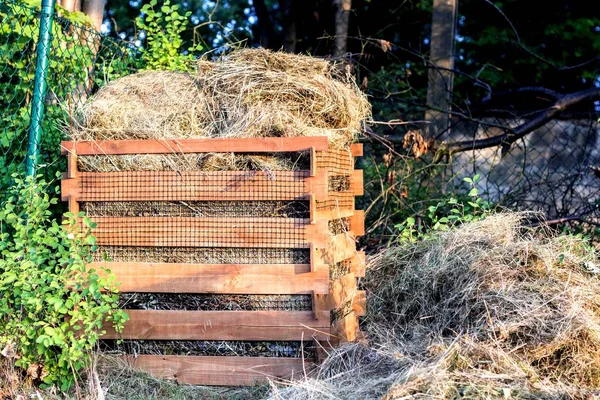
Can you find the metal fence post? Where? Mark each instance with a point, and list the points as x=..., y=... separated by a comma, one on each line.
x=40, y=85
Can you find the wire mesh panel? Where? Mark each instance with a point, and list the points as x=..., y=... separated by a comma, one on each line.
x=80, y=60
x=261, y=237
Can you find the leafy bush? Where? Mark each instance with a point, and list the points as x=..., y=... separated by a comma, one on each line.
x=51, y=306
x=446, y=214
x=163, y=30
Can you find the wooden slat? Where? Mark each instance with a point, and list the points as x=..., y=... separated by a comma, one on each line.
x=217, y=278
x=222, y=325
x=193, y=186
x=221, y=371
x=358, y=262
x=343, y=289
x=356, y=149
x=346, y=329
x=357, y=223
x=357, y=185
x=216, y=145
x=359, y=303
x=339, y=248
x=208, y=232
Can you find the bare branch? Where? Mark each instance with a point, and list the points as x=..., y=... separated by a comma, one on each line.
x=513, y=134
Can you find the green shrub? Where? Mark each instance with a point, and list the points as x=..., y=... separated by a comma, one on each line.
x=164, y=28
x=446, y=214
x=51, y=306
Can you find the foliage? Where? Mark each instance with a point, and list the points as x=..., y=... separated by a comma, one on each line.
x=445, y=215
x=51, y=306
x=75, y=54
x=164, y=42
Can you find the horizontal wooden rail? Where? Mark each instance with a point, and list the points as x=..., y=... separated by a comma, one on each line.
x=222, y=325
x=339, y=248
x=209, y=232
x=214, y=145
x=149, y=277
x=193, y=186
x=221, y=371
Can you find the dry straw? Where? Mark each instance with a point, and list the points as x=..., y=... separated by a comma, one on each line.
x=488, y=311
x=248, y=93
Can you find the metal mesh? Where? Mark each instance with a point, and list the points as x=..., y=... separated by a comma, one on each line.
x=210, y=348
x=202, y=232
x=214, y=302
x=550, y=170
x=282, y=209
x=79, y=61
x=336, y=161
x=193, y=185
x=202, y=255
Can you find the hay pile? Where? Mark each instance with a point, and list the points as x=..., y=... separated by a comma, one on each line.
x=248, y=93
x=487, y=311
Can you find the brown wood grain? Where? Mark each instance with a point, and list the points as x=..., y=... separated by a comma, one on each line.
x=214, y=145
x=356, y=149
x=221, y=371
x=222, y=325
x=357, y=185
x=149, y=277
x=207, y=232
x=357, y=222
x=189, y=185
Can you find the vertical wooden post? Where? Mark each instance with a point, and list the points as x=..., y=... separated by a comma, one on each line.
x=439, y=90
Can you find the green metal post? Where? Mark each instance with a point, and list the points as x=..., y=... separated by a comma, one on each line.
x=39, y=88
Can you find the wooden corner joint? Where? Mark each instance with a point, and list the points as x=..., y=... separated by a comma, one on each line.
x=357, y=182
x=357, y=223
x=359, y=303
x=317, y=185
x=316, y=234
x=356, y=149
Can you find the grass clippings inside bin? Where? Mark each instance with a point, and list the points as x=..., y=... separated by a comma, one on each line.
x=202, y=255
x=247, y=93
x=490, y=310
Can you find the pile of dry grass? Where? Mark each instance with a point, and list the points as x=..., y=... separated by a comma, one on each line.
x=248, y=93
x=490, y=310
x=147, y=105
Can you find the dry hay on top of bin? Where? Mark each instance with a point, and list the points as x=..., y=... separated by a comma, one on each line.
x=248, y=93
x=146, y=105
x=491, y=310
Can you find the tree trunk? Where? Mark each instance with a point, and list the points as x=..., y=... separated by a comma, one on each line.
x=264, y=23
x=70, y=5
x=439, y=90
x=288, y=22
x=342, y=19
x=94, y=9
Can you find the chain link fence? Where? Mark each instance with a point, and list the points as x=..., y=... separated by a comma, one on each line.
x=553, y=170
x=77, y=61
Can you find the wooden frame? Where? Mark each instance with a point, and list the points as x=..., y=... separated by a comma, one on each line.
x=257, y=279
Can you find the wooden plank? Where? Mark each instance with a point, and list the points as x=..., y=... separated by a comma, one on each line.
x=346, y=329
x=343, y=290
x=221, y=371
x=357, y=185
x=208, y=232
x=191, y=186
x=316, y=234
x=72, y=165
x=339, y=248
x=357, y=223
x=356, y=149
x=214, y=145
x=222, y=325
x=217, y=278
x=359, y=303
x=358, y=262
x=318, y=185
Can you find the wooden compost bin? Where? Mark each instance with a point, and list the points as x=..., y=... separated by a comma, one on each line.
x=336, y=302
